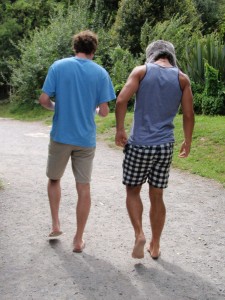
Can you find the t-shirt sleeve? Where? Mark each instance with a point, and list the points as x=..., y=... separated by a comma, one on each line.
x=106, y=90
x=50, y=83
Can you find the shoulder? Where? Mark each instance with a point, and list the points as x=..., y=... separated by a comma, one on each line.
x=61, y=62
x=98, y=69
x=184, y=79
x=139, y=72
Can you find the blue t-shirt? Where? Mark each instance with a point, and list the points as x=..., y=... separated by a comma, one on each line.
x=79, y=86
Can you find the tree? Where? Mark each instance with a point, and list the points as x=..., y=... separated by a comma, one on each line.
x=133, y=14
x=18, y=19
x=211, y=13
x=40, y=50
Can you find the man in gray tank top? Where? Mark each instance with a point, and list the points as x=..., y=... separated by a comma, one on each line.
x=160, y=88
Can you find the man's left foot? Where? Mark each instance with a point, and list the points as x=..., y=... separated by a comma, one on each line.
x=55, y=233
x=138, y=251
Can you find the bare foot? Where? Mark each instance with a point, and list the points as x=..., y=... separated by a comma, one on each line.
x=78, y=247
x=154, y=251
x=55, y=230
x=55, y=233
x=138, y=251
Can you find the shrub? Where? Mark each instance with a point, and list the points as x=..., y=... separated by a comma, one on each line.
x=213, y=106
x=40, y=51
x=122, y=64
x=198, y=103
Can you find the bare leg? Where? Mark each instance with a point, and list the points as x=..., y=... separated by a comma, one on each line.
x=135, y=210
x=54, y=195
x=157, y=219
x=82, y=212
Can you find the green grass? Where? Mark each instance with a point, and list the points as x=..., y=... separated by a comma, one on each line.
x=208, y=147
x=38, y=113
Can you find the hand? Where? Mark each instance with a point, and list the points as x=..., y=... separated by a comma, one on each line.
x=185, y=149
x=121, y=138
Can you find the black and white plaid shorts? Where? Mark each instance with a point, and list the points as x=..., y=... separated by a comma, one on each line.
x=147, y=162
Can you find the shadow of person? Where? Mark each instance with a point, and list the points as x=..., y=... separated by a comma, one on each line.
x=89, y=277
x=169, y=281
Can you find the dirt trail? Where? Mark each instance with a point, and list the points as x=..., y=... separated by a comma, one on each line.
x=192, y=264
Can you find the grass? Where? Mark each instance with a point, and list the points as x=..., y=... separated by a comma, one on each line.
x=38, y=113
x=208, y=147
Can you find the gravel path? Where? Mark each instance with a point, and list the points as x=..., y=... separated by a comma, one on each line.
x=192, y=264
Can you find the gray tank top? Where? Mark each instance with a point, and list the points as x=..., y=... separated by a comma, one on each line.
x=156, y=104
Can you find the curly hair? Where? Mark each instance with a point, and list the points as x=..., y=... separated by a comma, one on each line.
x=85, y=42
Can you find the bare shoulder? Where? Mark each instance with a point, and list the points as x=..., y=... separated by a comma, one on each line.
x=139, y=72
x=184, y=80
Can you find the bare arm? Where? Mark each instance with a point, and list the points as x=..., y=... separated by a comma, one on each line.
x=129, y=89
x=103, y=109
x=46, y=102
x=188, y=115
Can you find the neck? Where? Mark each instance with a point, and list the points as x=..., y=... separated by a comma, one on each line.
x=84, y=55
x=163, y=62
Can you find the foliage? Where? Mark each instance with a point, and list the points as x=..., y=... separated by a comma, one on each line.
x=211, y=13
x=211, y=100
x=197, y=101
x=207, y=49
x=213, y=105
x=211, y=81
x=207, y=150
x=133, y=14
x=18, y=19
x=41, y=50
x=104, y=13
x=122, y=64
x=173, y=30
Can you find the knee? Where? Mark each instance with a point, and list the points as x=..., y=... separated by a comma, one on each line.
x=133, y=190
x=53, y=182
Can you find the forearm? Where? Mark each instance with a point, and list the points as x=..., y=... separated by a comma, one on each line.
x=188, y=127
x=120, y=112
x=46, y=102
x=49, y=106
x=102, y=110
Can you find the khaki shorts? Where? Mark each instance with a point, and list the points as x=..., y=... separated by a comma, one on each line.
x=81, y=159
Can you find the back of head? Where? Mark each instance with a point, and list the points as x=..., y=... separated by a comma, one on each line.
x=85, y=42
x=161, y=49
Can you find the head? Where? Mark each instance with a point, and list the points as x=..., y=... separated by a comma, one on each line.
x=85, y=42
x=161, y=49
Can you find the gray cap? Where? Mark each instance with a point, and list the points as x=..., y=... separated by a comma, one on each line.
x=159, y=49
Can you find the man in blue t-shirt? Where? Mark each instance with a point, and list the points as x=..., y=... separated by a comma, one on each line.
x=81, y=89
x=160, y=89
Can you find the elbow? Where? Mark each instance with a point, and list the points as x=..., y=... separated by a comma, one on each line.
x=103, y=113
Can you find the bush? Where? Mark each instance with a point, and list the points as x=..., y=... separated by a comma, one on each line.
x=40, y=51
x=198, y=103
x=122, y=64
x=212, y=85
x=213, y=106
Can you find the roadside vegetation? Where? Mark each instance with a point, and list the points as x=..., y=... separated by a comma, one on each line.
x=33, y=34
x=207, y=154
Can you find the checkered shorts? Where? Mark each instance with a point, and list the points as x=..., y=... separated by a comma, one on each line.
x=147, y=162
